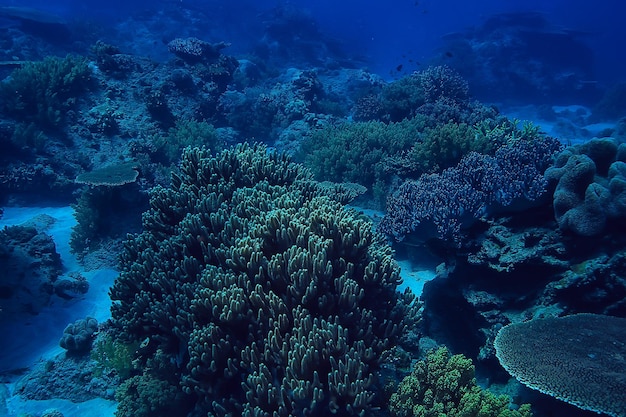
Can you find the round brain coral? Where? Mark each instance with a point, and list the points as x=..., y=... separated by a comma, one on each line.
x=256, y=294
x=579, y=359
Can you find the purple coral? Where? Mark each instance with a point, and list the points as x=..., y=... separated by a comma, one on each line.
x=441, y=204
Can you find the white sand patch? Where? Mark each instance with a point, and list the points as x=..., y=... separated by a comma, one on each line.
x=37, y=337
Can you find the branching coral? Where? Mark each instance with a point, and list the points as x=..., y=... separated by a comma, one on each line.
x=40, y=92
x=444, y=385
x=269, y=298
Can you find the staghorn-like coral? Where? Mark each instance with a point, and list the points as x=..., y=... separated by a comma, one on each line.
x=267, y=298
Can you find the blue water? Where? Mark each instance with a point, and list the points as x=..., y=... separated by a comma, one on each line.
x=385, y=34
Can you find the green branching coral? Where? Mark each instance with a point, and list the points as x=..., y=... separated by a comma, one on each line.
x=443, y=145
x=406, y=97
x=444, y=385
x=110, y=354
x=186, y=133
x=354, y=152
x=268, y=298
x=41, y=92
x=401, y=99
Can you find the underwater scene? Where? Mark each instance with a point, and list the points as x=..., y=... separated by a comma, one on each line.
x=412, y=208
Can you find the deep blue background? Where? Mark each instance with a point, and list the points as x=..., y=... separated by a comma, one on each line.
x=385, y=34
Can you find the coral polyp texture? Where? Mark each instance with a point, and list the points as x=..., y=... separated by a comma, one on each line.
x=266, y=297
x=580, y=359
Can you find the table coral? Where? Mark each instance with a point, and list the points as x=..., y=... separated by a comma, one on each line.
x=579, y=359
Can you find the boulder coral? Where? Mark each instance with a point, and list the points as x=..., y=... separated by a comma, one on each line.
x=77, y=336
x=590, y=186
x=266, y=297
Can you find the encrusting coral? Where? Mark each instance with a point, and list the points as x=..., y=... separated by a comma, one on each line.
x=254, y=294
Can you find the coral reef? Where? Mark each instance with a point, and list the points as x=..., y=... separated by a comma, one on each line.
x=444, y=384
x=503, y=250
x=68, y=377
x=185, y=133
x=112, y=175
x=376, y=154
x=579, y=359
x=354, y=152
x=195, y=50
x=108, y=209
x=422, y=91
x=265, y=296
x=141, y=396
x=515, y=51
x=521, y=267
x=591, y=284
x=258, y=112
